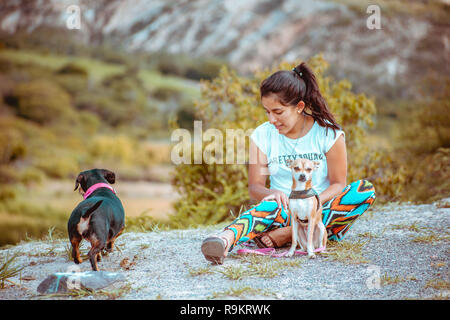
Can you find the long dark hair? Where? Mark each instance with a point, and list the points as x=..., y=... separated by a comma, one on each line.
x=296, y=85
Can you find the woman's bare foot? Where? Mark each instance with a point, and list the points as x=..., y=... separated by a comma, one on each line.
x=267, y=241
x=276, y=238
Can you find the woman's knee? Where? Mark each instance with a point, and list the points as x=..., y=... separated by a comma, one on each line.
x=268, y=206
x=369, y=188
x=363, y=186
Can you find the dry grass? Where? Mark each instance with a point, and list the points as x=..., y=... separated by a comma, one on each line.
x=389, y=280
x=414, y=227
x=234, y=272
x=366, y=235
x=83, y=253
x=242, y=292
x=431, y=238
x=252, y=266
x=8, y=270
x=438, y=284
x=346, y=252
x=200, y=271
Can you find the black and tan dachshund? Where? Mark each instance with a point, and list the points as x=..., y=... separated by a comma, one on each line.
x=99, y=218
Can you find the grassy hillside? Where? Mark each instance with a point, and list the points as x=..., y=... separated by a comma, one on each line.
x=61, y=114
x=72, y=108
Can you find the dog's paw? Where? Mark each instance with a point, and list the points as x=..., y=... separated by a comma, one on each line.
x=290, y=254
x=311, y=256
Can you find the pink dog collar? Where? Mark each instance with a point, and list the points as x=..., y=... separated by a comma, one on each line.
x=97, y=186
x=272, y=252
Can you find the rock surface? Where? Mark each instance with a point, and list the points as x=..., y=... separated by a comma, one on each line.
x=62, y=282
x=398, y=251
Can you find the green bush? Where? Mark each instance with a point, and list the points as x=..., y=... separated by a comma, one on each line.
x=118, y=150
x=110, y=111
x=166, y=93
x=74, y=84
x=42, y=101
x=60, y=167
x=6, y=65
x=185, y=117
x=12, y=145
x=12, y=231
x=73, y=69
x=424, y=150
x=209, y=193
x=24, y=219
x=119, y=101
x=7, y=193
x=8, y=174
x=31, y=175
x=88, y=122
x=187, y=67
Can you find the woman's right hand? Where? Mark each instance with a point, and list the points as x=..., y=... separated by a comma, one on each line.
x=279, y=196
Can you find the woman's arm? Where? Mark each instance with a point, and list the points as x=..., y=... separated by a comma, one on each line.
x=257, y=176
x=337, y=170
x=257, y=173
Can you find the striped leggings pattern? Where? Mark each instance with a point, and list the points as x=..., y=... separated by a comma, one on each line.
x=338, y=214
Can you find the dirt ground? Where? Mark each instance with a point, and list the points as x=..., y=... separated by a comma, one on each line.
x=400, y=251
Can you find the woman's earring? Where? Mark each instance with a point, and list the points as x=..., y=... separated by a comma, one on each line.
x=298, y=111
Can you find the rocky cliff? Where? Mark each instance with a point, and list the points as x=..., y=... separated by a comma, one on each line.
x=255, y=33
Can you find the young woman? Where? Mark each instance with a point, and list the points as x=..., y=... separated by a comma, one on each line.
x=300, y=126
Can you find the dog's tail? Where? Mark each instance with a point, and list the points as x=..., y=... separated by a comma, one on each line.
x=92, y=209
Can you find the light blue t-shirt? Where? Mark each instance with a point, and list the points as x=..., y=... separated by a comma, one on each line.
x=278, y=148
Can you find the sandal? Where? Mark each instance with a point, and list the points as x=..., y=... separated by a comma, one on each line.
x=213, y=248
x=261, y=244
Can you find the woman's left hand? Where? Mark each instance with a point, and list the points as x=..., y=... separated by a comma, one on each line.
x=280, y=197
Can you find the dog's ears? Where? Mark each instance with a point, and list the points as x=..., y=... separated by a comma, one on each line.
x=316, y=165
x=78, y=181
x=109, y=176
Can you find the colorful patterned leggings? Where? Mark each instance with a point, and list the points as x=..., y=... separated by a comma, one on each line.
x=338, y=214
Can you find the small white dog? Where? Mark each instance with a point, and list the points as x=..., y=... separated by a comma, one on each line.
x=305, y=209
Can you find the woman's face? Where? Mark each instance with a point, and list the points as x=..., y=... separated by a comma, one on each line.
x=284, y=118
